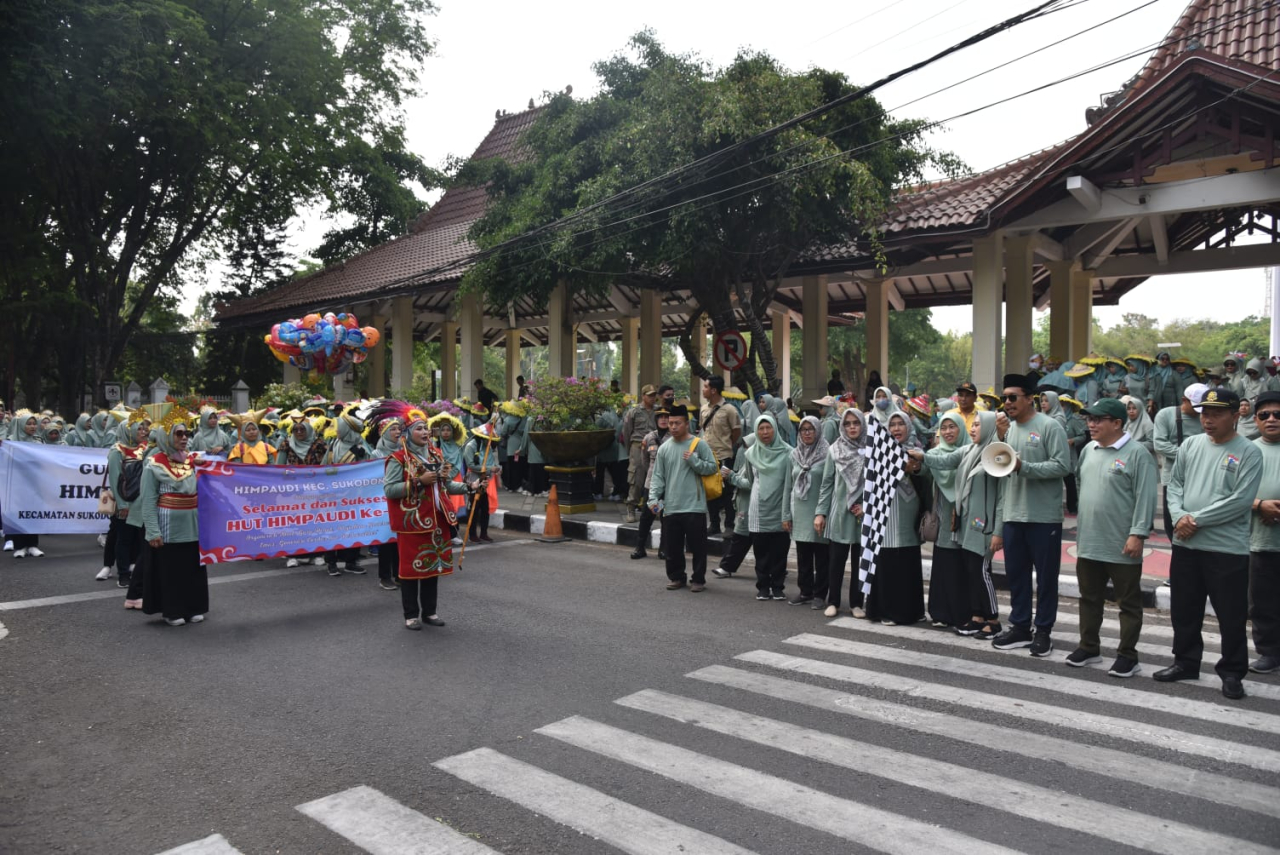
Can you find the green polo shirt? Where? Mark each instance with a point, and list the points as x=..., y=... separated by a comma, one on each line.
x=1216, y=484
x=1266, y=538
x=1117, y=499
x=1033, y=494
x=678, y=482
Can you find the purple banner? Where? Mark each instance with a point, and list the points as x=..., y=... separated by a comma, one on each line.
x=249, y=512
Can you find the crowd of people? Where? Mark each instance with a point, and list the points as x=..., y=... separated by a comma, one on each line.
x=1097, y=440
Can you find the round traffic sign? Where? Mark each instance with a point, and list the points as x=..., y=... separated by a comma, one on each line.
x=731, y=350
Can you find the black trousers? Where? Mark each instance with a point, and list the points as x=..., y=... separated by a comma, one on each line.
x=346, y=556
x=515, y=472
x=811, y=569
x=679, y=531
x=1195, y=574
x=388, y=561
x=480, y=519
x=771, y=549
x=127, y=539
x=723, y=505
x=647, y=519
x=1168, y=518
x=109, y=549
x=25, y=541
x=739, y=546
x=1264, y=602
x=982, y=591
x=1073, y=498
x=618, y=480
x=418, y=596
x=837, y=559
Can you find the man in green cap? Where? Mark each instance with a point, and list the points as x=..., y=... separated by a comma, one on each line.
x=1117, y=501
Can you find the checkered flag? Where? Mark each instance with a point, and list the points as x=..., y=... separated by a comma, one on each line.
x=883, y=470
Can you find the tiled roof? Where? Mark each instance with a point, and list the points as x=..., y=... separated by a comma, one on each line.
x=1243, y=30
x=432, y=251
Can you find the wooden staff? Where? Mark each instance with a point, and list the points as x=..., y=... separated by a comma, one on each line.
x=483, y=464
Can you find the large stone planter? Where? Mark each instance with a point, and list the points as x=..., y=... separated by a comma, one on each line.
x=571, y=446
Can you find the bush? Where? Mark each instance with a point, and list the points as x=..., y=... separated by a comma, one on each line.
x=567, y=403
x=285, y=396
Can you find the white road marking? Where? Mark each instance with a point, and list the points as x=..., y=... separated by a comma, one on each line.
x=1119, y=728
x=1209, y=680
x=214, y=844
x=116, y=593
x=1094, y=759
x=382, y=826
x=849, y=820
x=1053, y=807
x=621, y=825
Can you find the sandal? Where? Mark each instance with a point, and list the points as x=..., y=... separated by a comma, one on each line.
x=413, y=623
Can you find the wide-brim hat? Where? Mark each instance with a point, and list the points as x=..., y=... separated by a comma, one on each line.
x=1067, y=399
x=486, y=431
x=1093, y=359
x=826, y=401
x=1080, y=369
x=1139, y=357
x=733, y=393
x=919, y=404
x=1182, y=360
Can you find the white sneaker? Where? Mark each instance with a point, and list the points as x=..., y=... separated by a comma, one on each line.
x=104, y=574
x=21, y=553
x=457, y=541
x=8, y=546
x=35, y=552
x=197, y=619
x=292, y=562
x=175, y=621
x=319, y=561
x=830, y=611
x=102, y=541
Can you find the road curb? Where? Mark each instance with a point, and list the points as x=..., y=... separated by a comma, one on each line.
x=618, y=534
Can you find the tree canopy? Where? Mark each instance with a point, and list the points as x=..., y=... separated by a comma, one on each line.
x=142, y=137
x=726, y=231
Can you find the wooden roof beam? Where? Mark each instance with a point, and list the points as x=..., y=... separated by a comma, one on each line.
x=1198, y=261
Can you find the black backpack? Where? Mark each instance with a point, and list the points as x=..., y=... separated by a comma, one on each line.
x=129, y=485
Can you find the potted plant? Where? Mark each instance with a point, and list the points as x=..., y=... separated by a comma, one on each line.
x=562, y=417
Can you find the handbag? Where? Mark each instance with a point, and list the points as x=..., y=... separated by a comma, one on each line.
x=713, y=484
x=107, y=503
x=929, y=522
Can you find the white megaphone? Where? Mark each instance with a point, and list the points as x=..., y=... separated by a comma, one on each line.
x=998, y=459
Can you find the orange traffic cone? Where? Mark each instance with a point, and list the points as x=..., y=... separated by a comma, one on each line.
x=552, y=532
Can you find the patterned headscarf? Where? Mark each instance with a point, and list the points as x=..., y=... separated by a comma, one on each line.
x=805, y=457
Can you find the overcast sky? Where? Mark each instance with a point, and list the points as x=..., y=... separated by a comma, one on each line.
x=497, y=54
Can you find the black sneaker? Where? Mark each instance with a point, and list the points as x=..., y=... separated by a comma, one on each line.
x=778, y=595
x=1124, y=667
x=764, y=596
x=122, y=581
x=334, y=571
x=386, y=584
x=1042, y=644
x=819, y=604
x=1011, y=638
x=355, y=569
x=972, y=627
x=1078, y=658
x=639, y=553
x=721, y=573
x=799, y=600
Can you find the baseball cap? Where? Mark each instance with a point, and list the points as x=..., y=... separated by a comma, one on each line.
x=1108, y=408
x=1220, y=398
x=827, y=401
x=967, y=386
x=649, y=389
x=1195, y=392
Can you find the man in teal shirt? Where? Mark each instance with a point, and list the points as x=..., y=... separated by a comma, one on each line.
x=1174, y=426
x=1117, y=502
x=676, y=492
x=1032, y=533
x=1264, y=540
x=1211, y=494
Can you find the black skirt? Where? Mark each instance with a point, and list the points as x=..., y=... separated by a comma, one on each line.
x=949, y=588
x=897, y=591
x=176, y=584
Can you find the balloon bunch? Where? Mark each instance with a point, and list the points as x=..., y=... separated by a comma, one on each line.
x=322, y=344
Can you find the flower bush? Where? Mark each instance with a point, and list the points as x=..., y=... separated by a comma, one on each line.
x=567, y=403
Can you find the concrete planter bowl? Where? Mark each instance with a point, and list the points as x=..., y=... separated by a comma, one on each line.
x=571, y=446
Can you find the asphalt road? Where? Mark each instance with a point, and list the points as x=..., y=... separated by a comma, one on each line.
x=120, y=734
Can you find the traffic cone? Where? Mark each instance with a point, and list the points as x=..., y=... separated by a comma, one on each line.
x=552, y=532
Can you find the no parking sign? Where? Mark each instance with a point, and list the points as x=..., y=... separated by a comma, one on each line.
x=731, y=350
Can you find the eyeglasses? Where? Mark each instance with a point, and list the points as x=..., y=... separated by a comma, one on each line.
x=1011, y=398
x=1267, y=416
x=180, y=433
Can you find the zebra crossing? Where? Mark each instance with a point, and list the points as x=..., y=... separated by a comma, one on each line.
x=892, y=739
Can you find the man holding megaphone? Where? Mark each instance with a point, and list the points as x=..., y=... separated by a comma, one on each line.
x=1032, y=514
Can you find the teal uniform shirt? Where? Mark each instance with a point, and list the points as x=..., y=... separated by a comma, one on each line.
x=1165, y=439
x=1117, y=499
x=1216, y=484
x=677, y=482
x=1033, y=494
x=174, y=526
x=1263, y=537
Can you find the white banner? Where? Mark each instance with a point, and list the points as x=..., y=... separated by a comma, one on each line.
x=51, y=489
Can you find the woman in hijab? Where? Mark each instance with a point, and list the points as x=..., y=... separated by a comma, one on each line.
x=777, y=408
x=882, y=405
x=304, y=448
x=839, y=511
x=1139, y=426
x=765, y=475
x=1136, y=380
x=1077, y=437
x=648, y=457
x=753, y=408
x=25, y=427
x=1051, y=406
x=948, y=583
x=102, y=430
x=81, y=436
x=176, y=584
x=130, y=449
x=803, y=487
x=209, y=437
x=386, y=439
x=51, y=434
x=873, y=383
x=1112, y=379
x=250, y=446
x=897, y=591
x=422, y=517
x=348, y=447
x=979, y=515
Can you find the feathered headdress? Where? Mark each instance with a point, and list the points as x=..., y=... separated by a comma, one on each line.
x=380, y=413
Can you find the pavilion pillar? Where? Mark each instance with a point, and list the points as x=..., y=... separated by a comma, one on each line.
x=377, y=360
x=513, y=363
x=402, y=343
x=1060, y=311
x=877, y=325
x=1081, y=313
x=562, y=340
x=630, y=351
x=650, y=337
x=699, y=342
x=813, y=305
x=449, y=360
x=341, y=389
x=1019, y=297
x=782, y=351
x=988, y=286
x=472, y=320
x=292, y=374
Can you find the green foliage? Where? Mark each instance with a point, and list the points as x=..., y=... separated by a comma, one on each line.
x=289, y=396
x=567, y=403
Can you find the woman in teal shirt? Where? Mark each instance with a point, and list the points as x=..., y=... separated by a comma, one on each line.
x=766, y=475
x=177, y=584
x=948, y=585
x=807, y=461
x=897, y=591
x=839, y=511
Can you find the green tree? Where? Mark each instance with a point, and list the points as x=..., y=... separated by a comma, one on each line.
x=141, y=135
x=913, y=342
x=732, y=226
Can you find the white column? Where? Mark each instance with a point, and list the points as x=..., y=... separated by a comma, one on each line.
x=630, y=351
x=1018, y=304
x=292, y=374
x=513, y=363
x=1275, y=312
x=341, y=389
x=377, y=361
x=1060, y=310
x=449, y=360
x=562, y=342
x=401, y=343
x=650, y=337
x=782, y=349
x=877, y=325
x=699, y=342
x=1081, y=313
x=988, y=286
x=814, y=310
x=472, y=321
